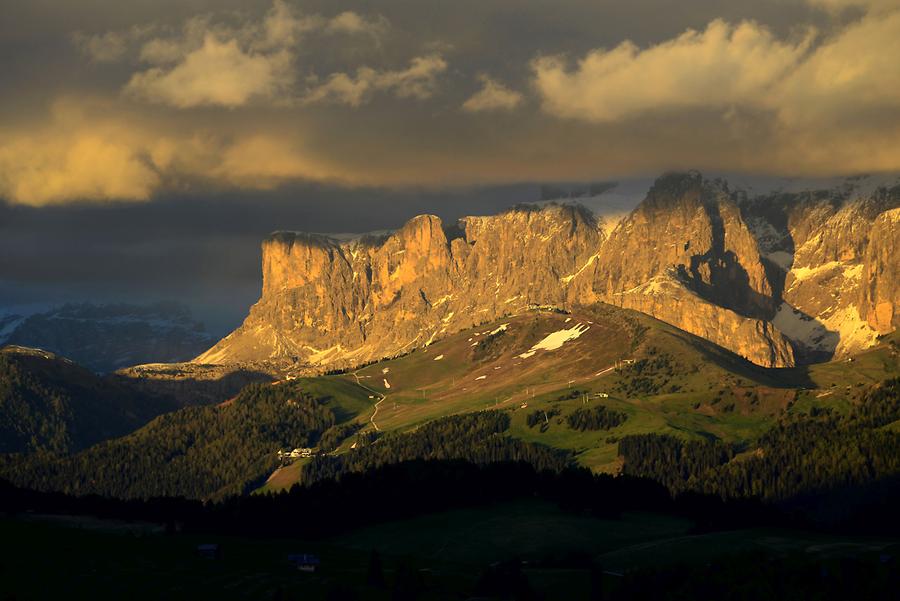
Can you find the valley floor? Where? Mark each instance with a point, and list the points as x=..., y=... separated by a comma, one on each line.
x=447, y=553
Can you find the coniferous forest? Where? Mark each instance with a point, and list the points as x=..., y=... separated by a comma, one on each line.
x=846, y=457
x=197, y=452
x=474, y=437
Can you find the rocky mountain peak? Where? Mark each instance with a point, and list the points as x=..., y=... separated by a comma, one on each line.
x=713, y=262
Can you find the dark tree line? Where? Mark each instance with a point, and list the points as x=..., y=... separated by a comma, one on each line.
x=335, y=435
x=397, y=491
x=595, y=418
x=405, y=490
x=647, y=376
x=475, y=437
x=488, y=346
x=824, y=461
x=540, y=416
x=670, y=460
x=197, y=452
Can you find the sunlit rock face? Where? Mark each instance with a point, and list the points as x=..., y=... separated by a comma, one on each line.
x=331, y=302
x=832, y=247
x=765, y=277
x=880, y=280
x=686, y=257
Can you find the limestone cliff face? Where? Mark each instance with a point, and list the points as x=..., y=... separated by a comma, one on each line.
x=814, y=238
x=692, y=227
x=880, y=282
x=668, y=299
x=684, y=256
x=330, y=303
x=830, y=259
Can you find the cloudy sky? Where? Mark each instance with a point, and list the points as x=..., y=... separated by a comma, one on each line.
x=146, y=146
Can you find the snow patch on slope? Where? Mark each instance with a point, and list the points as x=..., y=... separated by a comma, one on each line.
x=843, y=332
x=555, y=340
x=612, y=206
x=804, y=329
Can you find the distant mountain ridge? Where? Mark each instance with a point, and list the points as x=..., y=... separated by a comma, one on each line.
x=777, y=277
x=106, y=337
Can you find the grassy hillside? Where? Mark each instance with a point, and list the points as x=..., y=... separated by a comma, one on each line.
x=50, y=404
x=574, y=382
x=673, y=382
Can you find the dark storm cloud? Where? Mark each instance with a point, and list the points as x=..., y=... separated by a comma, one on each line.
x=254, y=95
x=202, y=250
x=146, y=147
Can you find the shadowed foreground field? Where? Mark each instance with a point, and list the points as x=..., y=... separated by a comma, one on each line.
x=446, y=556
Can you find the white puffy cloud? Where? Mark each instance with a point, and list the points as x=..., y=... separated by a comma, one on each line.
x=719, y=67
x=491, y=97
x=219, y=73
x=851, y=77
x=843, y=85
x=208, y=62
x=416, y=81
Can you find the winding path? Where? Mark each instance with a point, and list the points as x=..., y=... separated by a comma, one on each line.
x=380, y=401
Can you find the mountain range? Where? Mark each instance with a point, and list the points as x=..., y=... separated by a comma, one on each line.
x=783, y=276
x=107, y=337
x=600, y=331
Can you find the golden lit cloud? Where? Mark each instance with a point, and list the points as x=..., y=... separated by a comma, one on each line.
x=795, y=92
x=103, y=48
x=353, y=23
x=210, y=63
x=216, y=73
x=87, y=152
x=849, y=78
x=723, y=65
x=416, y=81
x=491, y=97
x=262, y=162
x=832, y=104
x=49, y=167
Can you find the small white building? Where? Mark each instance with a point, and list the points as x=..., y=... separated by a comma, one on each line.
x=296, y=453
